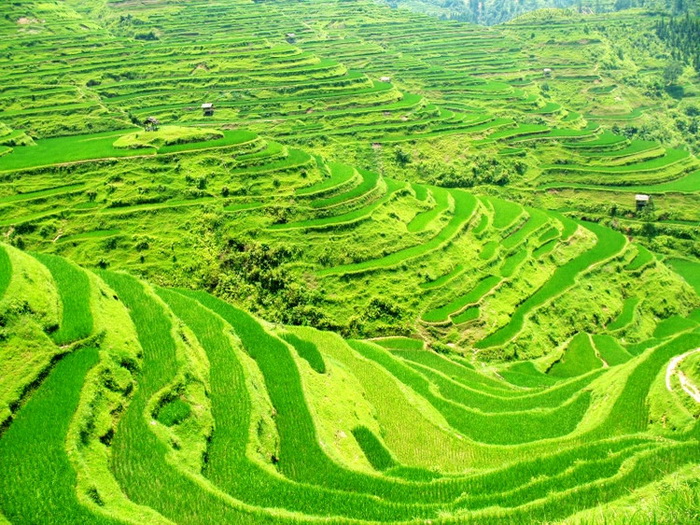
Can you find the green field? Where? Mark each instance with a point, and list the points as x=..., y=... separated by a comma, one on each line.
x=348, y=262
x=257, y=378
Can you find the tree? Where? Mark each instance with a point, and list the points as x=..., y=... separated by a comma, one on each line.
x=672, y=71
x=402, y=157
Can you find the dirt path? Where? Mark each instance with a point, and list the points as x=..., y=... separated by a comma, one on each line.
x=686, y=384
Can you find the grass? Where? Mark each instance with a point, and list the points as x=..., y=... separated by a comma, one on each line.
x=100, y=146
x=635, y=147
x=38, y=481
x=610, y=351
x=673, y=325
x=411, y=422
x=464, y=208
x=544, y=249
x=74, y=290
x=300, y=455
x=640, y=260
x=505, y=213
x=608, y=244
x=64, y=149
x=689, y=270
x=423, y=219
x=605, y=139
x=629, y=412
x=340, y=174
x=166, y=136
x=525, y=374
x=228, y=465
x=376, y=453
x=369, y=181
x=671, y=157
x=174, y=412
x=5, y=271
x=443, y=279
x=307, y=351
x=442, y=313
x=399, y=343
x=470, y=314
x=472, y=397
x=626, y=315
x=489, y=250
x=504, y=428
x=139, y=457
x=511, y=264
x=689, y=183
x=579, y=358
x=357, y=215
x=40, y=194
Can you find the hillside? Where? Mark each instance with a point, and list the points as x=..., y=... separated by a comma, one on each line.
x=491, y=12
x=331, y=261
x=143, y=403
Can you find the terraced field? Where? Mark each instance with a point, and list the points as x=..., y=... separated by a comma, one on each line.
x=396, y=274
x=146, y=391
x=311, y=223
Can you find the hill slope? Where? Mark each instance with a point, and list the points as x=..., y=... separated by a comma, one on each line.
x=160, y=405
x=381, y=268
x=304, y=241
x=491, y=12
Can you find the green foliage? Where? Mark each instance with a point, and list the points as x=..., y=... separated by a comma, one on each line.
x=681, y=35
x=608, y=244
x=209, y=416
x=173, y=412
x=243, y=359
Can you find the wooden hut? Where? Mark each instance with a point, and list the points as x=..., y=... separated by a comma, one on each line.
x=643, y=201
x=208, y=109
x=151, y=124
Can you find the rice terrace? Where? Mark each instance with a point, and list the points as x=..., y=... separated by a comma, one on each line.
x=349, y=262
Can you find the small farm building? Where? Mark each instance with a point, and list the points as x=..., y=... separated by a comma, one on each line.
x=151, y=124
x=208, y=109
x=385, y=79
x=642, y=201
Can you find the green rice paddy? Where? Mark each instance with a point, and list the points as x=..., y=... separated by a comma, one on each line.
x=341, y=262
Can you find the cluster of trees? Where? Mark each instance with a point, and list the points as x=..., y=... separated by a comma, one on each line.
x=490, y=12
x=255, y=274
x=683, y=37
x=479, y=169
